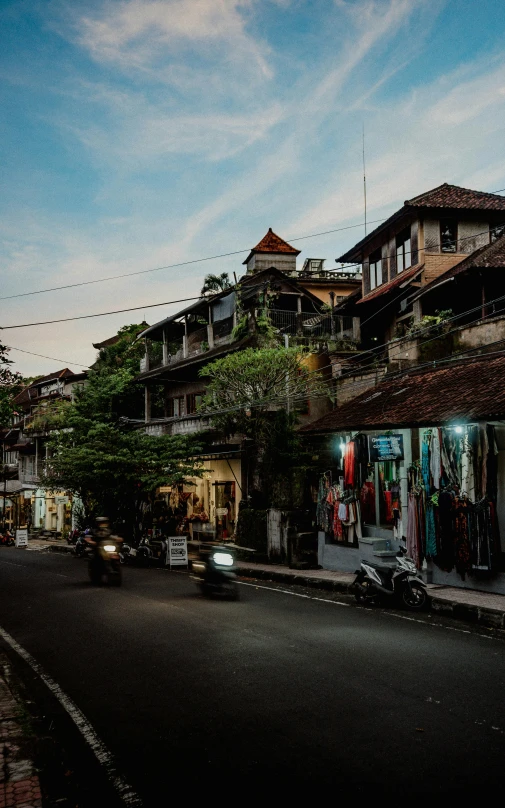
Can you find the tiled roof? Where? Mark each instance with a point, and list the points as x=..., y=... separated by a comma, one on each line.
x=272, y=243
x=453, y=196
x=453, y=392
x=23, y=396
x=490, y=256
x=444, y=196
x=403, y=277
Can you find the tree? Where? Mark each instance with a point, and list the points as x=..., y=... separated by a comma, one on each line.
x=113, y=466
x=10, y=385
x=216, y=283
x=248, y=394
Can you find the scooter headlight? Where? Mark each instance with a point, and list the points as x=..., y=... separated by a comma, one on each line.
x=223, y=559
x=110, y=548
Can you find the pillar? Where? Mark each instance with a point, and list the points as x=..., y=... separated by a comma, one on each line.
x=210, y=330
x=147, y=404
x=165, y=347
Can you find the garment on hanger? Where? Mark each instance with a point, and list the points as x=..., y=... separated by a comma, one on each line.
x=435, y=458
x=349, y=465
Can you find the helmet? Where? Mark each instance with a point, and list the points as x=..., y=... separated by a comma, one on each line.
x=102, y=519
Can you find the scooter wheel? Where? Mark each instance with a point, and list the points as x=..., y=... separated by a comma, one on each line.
x=414, y=597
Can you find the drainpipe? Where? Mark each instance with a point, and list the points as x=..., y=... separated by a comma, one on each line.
x=185, y=338
x=210, y=330
x=165, y=347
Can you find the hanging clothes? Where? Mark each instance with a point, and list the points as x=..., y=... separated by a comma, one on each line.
x=462, y=548
x=425, y=459
x=349, y=465
x=413, y=550
x=435, y=458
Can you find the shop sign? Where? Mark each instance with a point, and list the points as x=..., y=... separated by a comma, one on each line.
x=385, y=447
x=60, y=500
x=22, y=537
x=177, y=551
x=221, y=511
x=165, y=489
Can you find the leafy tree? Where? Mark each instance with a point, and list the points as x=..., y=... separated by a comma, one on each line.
x=216, y=283
x=248, y=392
x=113, y=466
x=10, y=385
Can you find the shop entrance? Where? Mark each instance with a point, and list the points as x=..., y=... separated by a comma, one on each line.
x=225, y=509
x=380, y=494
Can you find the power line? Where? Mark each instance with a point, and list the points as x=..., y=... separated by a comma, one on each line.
x=43, y=356
x=173, y=266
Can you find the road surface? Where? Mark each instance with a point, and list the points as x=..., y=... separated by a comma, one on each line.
x=275, y=694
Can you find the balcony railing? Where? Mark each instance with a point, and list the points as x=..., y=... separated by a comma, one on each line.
x=314, y=325
x=182, y=425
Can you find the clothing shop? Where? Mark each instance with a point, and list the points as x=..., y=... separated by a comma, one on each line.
x=362, y=498
x=420, y=459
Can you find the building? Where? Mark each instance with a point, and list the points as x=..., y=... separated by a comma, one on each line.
x=273, y=294
x=25, y=450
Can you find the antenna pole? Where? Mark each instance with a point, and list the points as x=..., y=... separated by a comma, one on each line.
x=364, y=172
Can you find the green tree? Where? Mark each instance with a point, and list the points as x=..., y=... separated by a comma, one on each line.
x=216, y=283
x=11, y=383
x=248, y=393
x=97, y=453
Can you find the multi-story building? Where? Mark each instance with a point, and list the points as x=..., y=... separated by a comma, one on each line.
x=24, y=447
x=300, y=309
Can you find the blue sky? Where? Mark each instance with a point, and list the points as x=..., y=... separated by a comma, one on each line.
x=142, y=133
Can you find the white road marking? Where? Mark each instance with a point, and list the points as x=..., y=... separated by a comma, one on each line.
x=102, y=754
x=294, y=594
x=12, y=563
x=439, y=625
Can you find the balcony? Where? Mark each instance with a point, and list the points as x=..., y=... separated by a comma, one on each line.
x=181, y=425
x=312, y=325
x=196, y=342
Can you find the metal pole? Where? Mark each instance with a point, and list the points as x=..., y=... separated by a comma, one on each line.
x=286, y=345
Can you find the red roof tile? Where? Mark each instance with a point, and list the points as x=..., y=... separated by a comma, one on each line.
x=453, y=196
x=397, y=281
x=444, y=196
x=464, y=391
x=272, y=243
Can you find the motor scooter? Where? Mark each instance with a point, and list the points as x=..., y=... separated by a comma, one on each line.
x=7, y=539
x=402, y=583
x=214, y=571
x=104, y=564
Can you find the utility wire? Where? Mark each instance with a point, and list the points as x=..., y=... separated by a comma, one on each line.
x=173, y=266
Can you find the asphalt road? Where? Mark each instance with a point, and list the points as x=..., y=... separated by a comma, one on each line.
x=270, y=695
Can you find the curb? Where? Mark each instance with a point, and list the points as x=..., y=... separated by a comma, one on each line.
x=61, y=548
x=492, y=618
x=301, y=580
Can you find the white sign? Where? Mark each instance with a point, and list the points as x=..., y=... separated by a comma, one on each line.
x=22, y=537
x=177, y=551
x=61, y=500
x=165, y=489
x=221, y=511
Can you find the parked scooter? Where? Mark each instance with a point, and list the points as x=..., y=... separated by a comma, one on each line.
x=401, y=583
x=81, y=546
x=104, y=564
x=215, y=571
x=7, y=539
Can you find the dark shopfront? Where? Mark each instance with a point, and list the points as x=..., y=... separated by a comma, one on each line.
x=443, y=495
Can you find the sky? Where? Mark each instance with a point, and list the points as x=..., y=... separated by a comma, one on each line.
x=138, y=134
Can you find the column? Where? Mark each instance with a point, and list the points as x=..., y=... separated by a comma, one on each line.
x=147, y=404
x=210, y=330
x=165, y=347
x=185, y=338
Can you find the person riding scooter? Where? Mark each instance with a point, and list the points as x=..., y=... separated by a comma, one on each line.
x=104, y=564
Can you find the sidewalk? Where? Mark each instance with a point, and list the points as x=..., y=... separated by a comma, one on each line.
x=462, y=604
x=19, y=783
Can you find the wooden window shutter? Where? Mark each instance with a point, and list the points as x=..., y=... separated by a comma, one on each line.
x=392, y=258
x=366, y=276
x=414, y=242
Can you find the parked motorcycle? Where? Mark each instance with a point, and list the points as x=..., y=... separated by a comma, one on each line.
x=81, y=546
x=150, y=550
x=104, y=564
x=401, y=584
x=7, y=539
x=214, y=571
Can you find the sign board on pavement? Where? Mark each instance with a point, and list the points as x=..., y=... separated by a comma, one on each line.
x=177, y=551
x=385, y=447
x=22, y=537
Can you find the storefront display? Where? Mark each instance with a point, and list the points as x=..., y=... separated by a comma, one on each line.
x=452, y=500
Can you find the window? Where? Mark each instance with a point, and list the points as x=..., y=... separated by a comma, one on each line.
x=448, y=236
x=403, y=250
x=194, y=402
x=496, y=232
x=176, y=407
x=375, y=269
